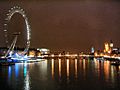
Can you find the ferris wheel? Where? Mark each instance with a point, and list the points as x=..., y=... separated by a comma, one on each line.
x=11, y=12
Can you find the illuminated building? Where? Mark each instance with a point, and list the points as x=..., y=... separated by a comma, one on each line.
x=44, y=50
x=31, y=53
x=111, y=44
x=92, y=50
x=107, y=48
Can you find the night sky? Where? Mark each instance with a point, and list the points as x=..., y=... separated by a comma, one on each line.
x=66, y=24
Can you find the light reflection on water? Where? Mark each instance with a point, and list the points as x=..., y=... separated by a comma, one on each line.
x=9, y=72
x=56, y=73
x=107, y=69
x=68, y=69
x=75, y=68
x=26, y=76
x=16, y=70
x=59, y=68
x=53, y=68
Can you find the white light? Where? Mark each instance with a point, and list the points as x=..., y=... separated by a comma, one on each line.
x=38, y=49
x=9, y=11
x=67, y=55
x=43, y=50
x=7, y=14
x=24, y=15
x=52, y=55
x=21, y=9
x=5, y=30
x=59, y=55
x=75, y=55
x=115, y=49
x=17, y=11
x=111, y=45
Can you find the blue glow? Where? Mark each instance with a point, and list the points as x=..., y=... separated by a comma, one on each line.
x=9, y=71
x=25, y=69
x=16, y=70
x=9, y=60
x=17, y=57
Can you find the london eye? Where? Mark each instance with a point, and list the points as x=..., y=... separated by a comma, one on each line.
x=11, y=12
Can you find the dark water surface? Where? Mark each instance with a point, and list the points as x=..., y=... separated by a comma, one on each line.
x=61, y=74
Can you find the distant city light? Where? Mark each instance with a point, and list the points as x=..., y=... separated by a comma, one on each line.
x=52, y=55
x=60, y=55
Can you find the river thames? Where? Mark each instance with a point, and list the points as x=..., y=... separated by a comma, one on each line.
x=61, y=74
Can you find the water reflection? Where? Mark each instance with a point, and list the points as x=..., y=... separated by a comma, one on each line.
x=59, y=68
x=84, y=65
x=16, y=70
x=84, y=68
x=101, y=69
x=9, y=72
x=67, y=69
x=42, y=68
x=107, y=69
x=27, y=82
x=52, y=68
x=112, y=74
x=26, y=75
x=76, y=68
x=25, y=69
x=97, y=67
x=73, y=72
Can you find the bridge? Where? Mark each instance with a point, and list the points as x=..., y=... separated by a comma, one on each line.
x=107, y=57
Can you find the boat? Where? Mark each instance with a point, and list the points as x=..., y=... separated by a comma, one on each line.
x=6, y=62
x=100, y=58
x=115, y=63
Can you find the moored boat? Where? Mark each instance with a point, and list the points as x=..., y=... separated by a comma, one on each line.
x=115, y=63
x=6, y=62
